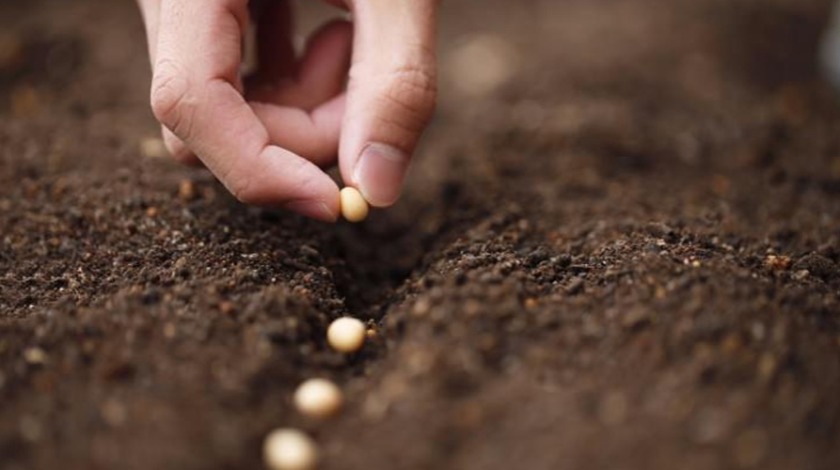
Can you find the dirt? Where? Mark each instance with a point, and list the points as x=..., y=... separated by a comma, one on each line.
x=619, y=248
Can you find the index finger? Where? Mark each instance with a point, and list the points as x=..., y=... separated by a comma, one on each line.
x=197, y=94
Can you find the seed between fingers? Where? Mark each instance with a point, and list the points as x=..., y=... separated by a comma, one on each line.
x=354, y=207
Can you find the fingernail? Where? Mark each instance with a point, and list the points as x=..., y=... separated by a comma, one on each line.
x=380, y=172
x=315, y=209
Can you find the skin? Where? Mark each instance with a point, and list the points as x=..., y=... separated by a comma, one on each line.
x=267, y=137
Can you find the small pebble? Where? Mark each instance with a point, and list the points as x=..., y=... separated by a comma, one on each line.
x=318, y=398
x=169, y=331
x=35, y=356
x=290, y=449
x=354, y=208
x=186, y=190
x=777, y=262
x=227, y=307
x=346, y=334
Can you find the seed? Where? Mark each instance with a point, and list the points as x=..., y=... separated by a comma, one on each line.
x=186, y=190
x=318, y=398
x=35, y=356
x=289, y=449
x=354, y=208
x=346, y=335
x=153, y=147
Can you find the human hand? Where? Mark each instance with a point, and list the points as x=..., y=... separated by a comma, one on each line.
x=267, y=136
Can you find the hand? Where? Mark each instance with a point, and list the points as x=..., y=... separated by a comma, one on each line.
x=266, y=136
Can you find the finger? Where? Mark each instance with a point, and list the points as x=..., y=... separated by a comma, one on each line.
x=391, y=94
x=195, y=94
x=324, y=67
x=320, y=80
x=313, y=135
x=177, y=149
x=150, y=11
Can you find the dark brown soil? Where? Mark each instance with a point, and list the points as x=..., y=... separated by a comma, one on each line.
x=625, y=256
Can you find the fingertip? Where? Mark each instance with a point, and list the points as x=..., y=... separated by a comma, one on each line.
x=318, y=210
x=284, y=179
x=380, y=172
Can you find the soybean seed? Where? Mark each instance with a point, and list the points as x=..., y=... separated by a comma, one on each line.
x=346, y=334
x=354, y=208
x=290, y=449
x=318, y=398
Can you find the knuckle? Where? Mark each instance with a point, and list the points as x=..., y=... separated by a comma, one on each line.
x=413, y=89
x=171, y=98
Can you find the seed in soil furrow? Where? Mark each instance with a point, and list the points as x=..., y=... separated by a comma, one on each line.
x=318, y=398
x=346, y=335
x=290, y=449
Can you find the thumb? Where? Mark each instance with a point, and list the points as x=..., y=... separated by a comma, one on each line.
x=391, y=94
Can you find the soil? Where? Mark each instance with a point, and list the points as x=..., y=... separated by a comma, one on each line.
x=619, y=248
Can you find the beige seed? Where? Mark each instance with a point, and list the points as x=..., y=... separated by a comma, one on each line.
x=35, y=356
x=318, y=398
x=354, y=208
x=153, y=147
x=290, y=449
x=346, y=334
x=186, y=190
